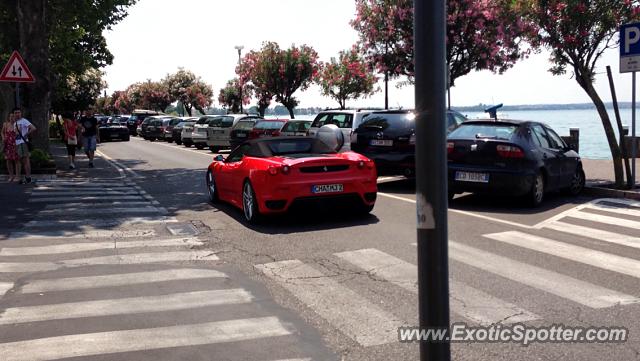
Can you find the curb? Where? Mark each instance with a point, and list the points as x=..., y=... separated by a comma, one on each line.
x=601, y=191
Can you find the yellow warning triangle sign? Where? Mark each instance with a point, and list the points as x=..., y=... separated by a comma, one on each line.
x=16, y=70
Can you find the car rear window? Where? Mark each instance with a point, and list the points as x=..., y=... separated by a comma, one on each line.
x=389, y=121
x=222, y=122
x=296, y=127
x=268, y=125
x=245, y=125
x=340, y=120
x=484, y=131
x=298, y=147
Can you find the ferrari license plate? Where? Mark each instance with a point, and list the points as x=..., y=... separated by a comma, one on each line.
x=472, y=177
x=327, y=188
x=382, y=142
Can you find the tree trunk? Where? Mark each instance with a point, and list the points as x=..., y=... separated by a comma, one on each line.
x=623, y=148
x=261, y=110
x=386, y=90
x=586, y=83
x=290, y=109
x=34, y=48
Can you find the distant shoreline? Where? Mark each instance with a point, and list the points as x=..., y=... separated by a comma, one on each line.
x=578, y=106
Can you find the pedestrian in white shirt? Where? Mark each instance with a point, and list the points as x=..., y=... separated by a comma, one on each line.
x=23, y=129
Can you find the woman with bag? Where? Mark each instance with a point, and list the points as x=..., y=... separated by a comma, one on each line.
x=71, y=138
x=9, y=146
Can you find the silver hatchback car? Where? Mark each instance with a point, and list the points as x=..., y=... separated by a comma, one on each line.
x=219, y=130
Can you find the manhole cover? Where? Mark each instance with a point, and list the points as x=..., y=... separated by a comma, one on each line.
x=182, y=229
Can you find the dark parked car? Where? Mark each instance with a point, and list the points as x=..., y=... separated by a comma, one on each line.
x=267, y=128
x=388, y=138
x=136, y=119
x=240, y=132
x=150, y=128
x=510, y=157
x=114, y=129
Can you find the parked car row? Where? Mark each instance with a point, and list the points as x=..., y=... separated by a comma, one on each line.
x=518, y=158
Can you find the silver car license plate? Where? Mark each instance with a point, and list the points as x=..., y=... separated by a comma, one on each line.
x=382, y=142
x=472, y=177
x=241, y=135
x=327, y=188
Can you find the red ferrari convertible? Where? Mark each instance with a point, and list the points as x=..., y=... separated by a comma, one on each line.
x=273, y=175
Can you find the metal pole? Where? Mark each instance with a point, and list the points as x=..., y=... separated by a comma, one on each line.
x=634, y=145
x=431, y=173
x=17, y=95
x=239, y=83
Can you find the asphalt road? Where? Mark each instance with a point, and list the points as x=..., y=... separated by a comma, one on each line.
x=347, y=283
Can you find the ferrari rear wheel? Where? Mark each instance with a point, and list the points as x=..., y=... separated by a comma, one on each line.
x=250, y=203
x=212, y=190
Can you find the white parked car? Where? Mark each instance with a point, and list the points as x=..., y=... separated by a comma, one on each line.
x=346, y=119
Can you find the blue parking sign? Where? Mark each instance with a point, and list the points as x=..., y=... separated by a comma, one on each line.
x=630, y=48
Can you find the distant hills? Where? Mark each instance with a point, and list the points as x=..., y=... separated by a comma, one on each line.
x=482, y=107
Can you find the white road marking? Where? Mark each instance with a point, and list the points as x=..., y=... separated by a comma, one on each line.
x=65, y=193
x=471, y=214
x=601, y=235
x=99, y=222
x=138, y=258
x=364, y=322
x=466, y=301
x=555, y=283
x=90, y=344
x=81, y=184
x=614, y=221
x=587, y=256
x=95, y=246
x=116, y=280
x=613, y=209
x=86, y=199
x=209, y=155
x=97, y=205
x=119, y=166
x=100, y=211
x=55, y=236
x=124, y=306
x=4, y=287
x=85, y=187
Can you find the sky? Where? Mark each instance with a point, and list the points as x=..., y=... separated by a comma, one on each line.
x=159, y=36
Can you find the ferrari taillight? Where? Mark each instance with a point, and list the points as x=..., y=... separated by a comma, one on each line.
x=273, y=170
x=361, y=164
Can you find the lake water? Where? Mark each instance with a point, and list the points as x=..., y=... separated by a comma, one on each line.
x=593, y=142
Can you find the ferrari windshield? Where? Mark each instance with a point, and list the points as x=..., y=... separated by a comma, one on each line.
x=298, y=147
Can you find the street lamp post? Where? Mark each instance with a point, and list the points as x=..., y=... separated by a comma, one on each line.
x=239, y=49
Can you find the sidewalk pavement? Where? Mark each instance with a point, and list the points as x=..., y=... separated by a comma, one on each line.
x=600, y=179
x=15, y=209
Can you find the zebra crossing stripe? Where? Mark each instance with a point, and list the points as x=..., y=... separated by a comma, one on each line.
x=51, y=199
x=101, y=343
x=99, y=222
x=95, y=246
x=85, y=193
x=466, y=301
x=116, y=280
x=64, y=235
x=599, y=218
x=613, y=209
x=139, y=258
x=4, y=287
x=124, y=306
x=558, y=284
x=102, y=211
x=601, y=235
x=583, y=255
x=97, y=205
x=364, y=322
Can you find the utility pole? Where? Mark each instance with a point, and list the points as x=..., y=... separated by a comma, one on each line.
x=431, y=173
x=239, y=49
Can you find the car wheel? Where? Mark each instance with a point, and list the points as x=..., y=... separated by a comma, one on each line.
x=214, y=149
x=169, y=140
x=536, y=195
x=188, y=145
x=250, y=203
x=178, y=142
x=577, y=182
x=366, y=209
x=199, y=146
x=126, y=139
x=152, y=139
x=211, y=187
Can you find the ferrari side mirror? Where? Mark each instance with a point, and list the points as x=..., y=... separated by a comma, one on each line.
x=219, y=158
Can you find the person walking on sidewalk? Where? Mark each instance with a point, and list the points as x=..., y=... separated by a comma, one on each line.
x=71, y=138
x=23, y=129
x=91, y=137
x=9, y=146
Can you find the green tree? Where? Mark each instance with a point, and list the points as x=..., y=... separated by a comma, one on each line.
x=578, y=32
x=58, y=39
x=189, y=90
x=79, y=92
x=347, y=77
x=229, y=95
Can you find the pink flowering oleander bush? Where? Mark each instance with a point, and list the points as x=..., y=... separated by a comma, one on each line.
x=347, y=77
x=480, y=35
x=274, y=72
